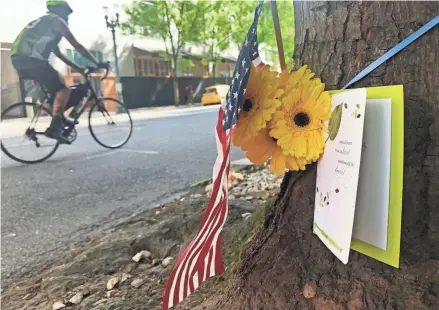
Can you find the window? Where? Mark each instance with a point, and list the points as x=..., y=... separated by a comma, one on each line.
x=210, y=90
x=138, y=67
x=162, y=68
x=144, y=67
x=156, y=67
x=165, y=68
x=151, y=67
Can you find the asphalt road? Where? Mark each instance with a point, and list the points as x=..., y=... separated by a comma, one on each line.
x=49, y=207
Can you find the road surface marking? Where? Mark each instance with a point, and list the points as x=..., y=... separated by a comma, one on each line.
x=101, y=154
x=139, y=151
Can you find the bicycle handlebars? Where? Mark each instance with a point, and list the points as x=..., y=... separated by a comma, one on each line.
x=102, y=65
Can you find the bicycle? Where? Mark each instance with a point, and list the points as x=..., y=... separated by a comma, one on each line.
x=113, y=111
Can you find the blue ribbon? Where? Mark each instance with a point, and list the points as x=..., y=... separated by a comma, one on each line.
x=395, y=50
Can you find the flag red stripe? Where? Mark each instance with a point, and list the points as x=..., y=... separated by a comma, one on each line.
x=182, y=263
x=182, y=272
x=208, y=243
x=207, y=227
x=201, y=247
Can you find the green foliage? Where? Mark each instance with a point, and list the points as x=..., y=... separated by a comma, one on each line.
x=243, y=12
x=215, y=32
x=175, y=22
x=186, y=63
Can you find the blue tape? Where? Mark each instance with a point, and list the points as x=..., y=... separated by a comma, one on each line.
x=395, y=50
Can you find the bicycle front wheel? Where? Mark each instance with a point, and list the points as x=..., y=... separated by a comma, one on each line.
x=110, y=123
x=22, y=133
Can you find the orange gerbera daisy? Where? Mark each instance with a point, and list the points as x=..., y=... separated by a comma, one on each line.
x=263, y=147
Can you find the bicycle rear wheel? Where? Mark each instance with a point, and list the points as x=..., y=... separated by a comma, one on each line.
x=22, y=133
x=110, y=123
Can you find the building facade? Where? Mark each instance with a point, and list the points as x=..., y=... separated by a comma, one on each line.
x=10, y=88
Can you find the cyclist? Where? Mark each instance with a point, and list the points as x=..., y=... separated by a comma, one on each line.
x=30, y=57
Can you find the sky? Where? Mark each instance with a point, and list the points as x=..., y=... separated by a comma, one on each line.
x=86, y=22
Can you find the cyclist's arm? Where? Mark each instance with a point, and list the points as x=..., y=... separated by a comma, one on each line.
x=65, y=60
x=66, y=33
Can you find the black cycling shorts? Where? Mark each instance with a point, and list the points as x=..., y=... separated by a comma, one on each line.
x=29, y=68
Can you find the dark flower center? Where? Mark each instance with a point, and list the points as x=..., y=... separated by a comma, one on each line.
x=247, y=106
x=274, y=139
x=301, y=119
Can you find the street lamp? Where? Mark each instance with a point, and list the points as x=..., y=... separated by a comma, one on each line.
x=113, y=23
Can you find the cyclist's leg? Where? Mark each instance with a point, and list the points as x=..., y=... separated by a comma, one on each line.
x=54, y=83
x=48, y=77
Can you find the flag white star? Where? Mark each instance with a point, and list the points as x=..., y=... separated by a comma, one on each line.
x=244, y=90
x=255, y=43
x=246, y=70
x=237, y=75
x=243, y=63
x=235, y=95
x=246, y=42
x=255, y=53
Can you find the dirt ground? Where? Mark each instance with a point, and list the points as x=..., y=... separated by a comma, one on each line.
x=81, y=279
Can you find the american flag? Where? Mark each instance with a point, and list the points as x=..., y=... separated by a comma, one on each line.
x=202, y=258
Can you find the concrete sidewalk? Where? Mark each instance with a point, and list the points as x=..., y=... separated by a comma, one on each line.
x=16, y=127
x=154, y=112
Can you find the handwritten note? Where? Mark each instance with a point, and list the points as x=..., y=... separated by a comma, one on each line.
x=338, y=172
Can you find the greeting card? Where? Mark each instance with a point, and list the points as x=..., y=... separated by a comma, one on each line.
x=338, y=172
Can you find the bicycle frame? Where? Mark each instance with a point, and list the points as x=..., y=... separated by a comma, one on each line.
x=91, y=96
x=49, y=99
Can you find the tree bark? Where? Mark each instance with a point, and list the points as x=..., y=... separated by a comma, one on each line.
x=214, y=72
x=337, y=40
x=176, y=92
x=175, y=81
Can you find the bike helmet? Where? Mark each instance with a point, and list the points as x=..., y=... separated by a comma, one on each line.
x=56, y=5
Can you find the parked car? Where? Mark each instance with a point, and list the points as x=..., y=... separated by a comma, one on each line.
x=214, y=94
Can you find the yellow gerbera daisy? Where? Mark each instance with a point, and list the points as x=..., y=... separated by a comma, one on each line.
x=290, y=78
x=263, y=147
x=298, y=123
x=260, y=102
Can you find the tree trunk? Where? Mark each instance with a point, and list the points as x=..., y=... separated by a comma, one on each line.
x=214, y=72
x=176, y=92
x=337, y=40
x=175, y=82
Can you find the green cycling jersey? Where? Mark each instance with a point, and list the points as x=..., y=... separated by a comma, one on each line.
x=39, y=38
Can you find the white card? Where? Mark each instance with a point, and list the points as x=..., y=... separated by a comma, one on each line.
x=337, y=175
x=372, y=208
